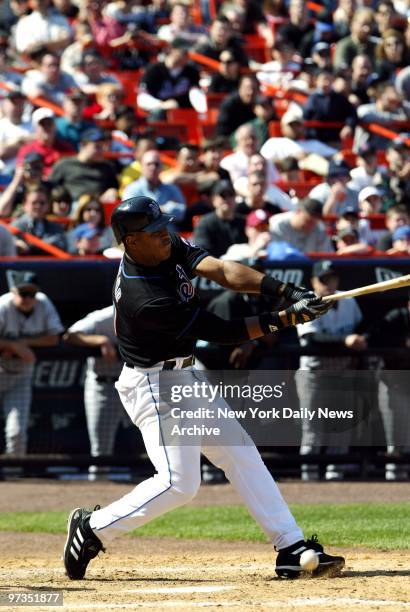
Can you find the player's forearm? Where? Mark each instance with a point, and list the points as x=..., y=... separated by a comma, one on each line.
x=89, y=340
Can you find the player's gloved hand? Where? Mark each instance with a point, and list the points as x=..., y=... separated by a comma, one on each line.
x=306, y=309
x=293, y=293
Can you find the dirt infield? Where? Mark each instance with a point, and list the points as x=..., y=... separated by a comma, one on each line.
x=165, y=573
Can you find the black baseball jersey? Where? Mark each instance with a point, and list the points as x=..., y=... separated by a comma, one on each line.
x=156, y=306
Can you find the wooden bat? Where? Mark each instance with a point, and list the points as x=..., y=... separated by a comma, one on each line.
x=394, y=283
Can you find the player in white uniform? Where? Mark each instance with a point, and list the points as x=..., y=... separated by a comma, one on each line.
x=313, y=380
x=158, y=318
x=29, y=318
x=103, y=409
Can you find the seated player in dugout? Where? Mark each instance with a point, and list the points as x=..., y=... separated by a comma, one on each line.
x=157, y=321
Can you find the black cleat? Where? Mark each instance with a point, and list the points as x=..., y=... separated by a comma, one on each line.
x=81, y=545
x=288, y=560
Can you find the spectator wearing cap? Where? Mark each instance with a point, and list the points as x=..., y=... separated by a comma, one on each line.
x=226, y=79
x=340, y=327
x=124, y=134
x=395, y=182
x=221, y=38
x=180, y=26
x=30, y=173
x=347, y=242
x=165, y=85
x=299, y=29
x=325, y=104
x=91, y=72
x=320, y=55
x=45, y=141
x=302, y=228
x=28, y=319
x=359, y=41
x=396, y=216
x=15, y=131
x=86, y=238
x=257, y=233
x=71, y=125
x=88, y=171
x=351, y=219
x=387, y=107
x=255, y=198
x=43, y=27
x=283, y=67
x=367, y=172
x=334, y=194
x=33, y=220
x=293, y=142
x=272, y=193
x=238, y=108
x=237, y=163
x=168, y=196
x=48, y=81
x=401, y=241
x=218, y=230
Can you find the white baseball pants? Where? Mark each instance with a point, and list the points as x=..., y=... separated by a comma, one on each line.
x=178, y=474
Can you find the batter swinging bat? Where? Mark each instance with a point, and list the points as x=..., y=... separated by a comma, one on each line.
x=394, y=283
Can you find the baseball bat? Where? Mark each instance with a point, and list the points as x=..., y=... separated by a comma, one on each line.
x=394, y=283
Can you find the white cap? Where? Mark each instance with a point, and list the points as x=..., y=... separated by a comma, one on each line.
x=40, y=114
x=291, y=115
x=367, y=192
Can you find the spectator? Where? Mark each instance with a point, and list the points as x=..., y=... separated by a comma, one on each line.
x=362, y=74
x=221, y=39
x=45, y=141
x=258, y=236
x=167, y=84
x=61, y=202
x=255, y=198
x=343, y=15
x=90, y=213
x=15, y=131
x=265, y=113
x=396, y=216
x=395, y=182
x=369, y=204
x=293, y=143
x=30, y=173
x=238, y=108
x=85, y=239
x=324, y=104
x=299, y=30
x=71, y=125
x=210, y=159
x=370, y=201
x=48, y=81
x=168, y=196
x=385, y=16
x=367, y=171
x=91, y=74
x=124, y=133
x=258, y=165
x=320, y=55
x=315, y=382
x=180, y=26
x=28, y=319
x=8, y=77
x=104, y=28
x=72, y=56
x=133, y=172
x=391, y=54
x=348, y=242
x=67, y=8
x=102, y=404
x=387, y=107
x=36, y=205
x=359, y=42
x=246, y=145
x=283, y=68
x=218, y=230
x=7, y=245
x=334, y=194
x=88, y=171
x=43, y=27
x=109, y=97
x=226, y=80
x=401, y=241
x=186, y=170
x=302, y=228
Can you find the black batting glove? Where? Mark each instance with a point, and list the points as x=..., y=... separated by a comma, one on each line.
x=294, y=294
x=307, y=309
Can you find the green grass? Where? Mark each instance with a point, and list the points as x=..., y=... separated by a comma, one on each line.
x=383, y=526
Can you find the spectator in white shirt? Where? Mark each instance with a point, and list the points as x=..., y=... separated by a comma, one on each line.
x=246, y=145
x=367, y=171
x=44, y=27
x=14, y=131
x=334, y=193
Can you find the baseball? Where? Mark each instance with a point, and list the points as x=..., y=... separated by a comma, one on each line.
x=309, y=560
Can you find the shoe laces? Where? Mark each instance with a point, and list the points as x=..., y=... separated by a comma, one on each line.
x=313, y=542
x=92, y=549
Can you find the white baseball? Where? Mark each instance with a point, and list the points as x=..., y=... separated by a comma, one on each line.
x=309, y=560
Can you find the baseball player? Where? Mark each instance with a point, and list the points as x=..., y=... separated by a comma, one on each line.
x=318, y=377
x=28, y=319
x=157, y=321
x=103, y=408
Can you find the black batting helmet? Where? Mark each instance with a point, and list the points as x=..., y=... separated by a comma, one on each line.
x=139, y=214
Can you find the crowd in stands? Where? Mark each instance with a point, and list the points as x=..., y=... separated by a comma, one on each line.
x=298, y=110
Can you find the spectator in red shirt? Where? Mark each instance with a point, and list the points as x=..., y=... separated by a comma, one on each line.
x=45, y=142
x=103, y=27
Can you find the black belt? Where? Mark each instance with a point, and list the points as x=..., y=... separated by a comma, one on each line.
x=170, y=363
x=106, y=379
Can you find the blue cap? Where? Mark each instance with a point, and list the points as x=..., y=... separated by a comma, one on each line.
x=281, y=250
x=402, y=233
x=85, y=230
x=93, y=135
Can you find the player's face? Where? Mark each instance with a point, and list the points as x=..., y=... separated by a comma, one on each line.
x=326, y=285
x=24, y=298
x=149, y=248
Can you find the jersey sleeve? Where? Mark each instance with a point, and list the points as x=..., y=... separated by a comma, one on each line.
x=190, y=254
x=97, y=322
